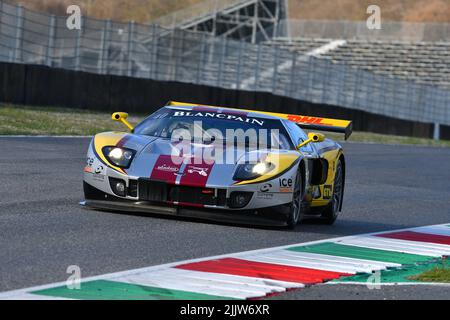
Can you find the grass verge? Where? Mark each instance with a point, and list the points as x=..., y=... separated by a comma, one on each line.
x=437, y=274
x=23, y=120
x=20, y=120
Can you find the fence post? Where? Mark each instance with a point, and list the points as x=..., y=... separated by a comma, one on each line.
x=436, y=131
x=154, y=54
x=239, y=66
x=258, y=66
x=290, y=89
x=106, y=32
x=51, y=41
x=131, y=26
x=77, y=50
x=201, y=63
x=19, y=32
x=224, y=43
x=275, y=70
x=177, y=51
x=1, y=14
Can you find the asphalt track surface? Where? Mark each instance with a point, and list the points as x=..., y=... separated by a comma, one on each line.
x=43, y=230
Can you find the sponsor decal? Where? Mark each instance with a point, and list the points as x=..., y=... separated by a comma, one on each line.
x=196, y=175
x=285, y=184
x=327, y=191
x=100, y=170
x=87, y=169
x=201, y=171
x=240, y=118
x=308, y=120
x=89, y=161
x=264, y=195
x=167, y=168
x=266, y=187
x=98, y=173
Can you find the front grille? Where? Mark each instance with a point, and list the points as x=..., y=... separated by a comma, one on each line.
x=132, y=188
x=160, y=191
x=152, y=190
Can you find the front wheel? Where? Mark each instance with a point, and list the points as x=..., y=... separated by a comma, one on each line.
x=295, y=209
x=331, y=211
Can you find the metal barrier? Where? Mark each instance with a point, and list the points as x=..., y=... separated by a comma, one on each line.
x=390, y=30
x=151, y=51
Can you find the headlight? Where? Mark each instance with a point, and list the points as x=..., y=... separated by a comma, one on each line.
x=250, y=171
x=120, y=157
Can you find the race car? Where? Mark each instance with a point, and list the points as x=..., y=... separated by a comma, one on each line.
x=219, y=163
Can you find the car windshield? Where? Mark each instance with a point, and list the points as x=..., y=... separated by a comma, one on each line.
x=209, y=126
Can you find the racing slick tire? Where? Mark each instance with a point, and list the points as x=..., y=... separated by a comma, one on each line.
x=331, y=211
x=295, y=214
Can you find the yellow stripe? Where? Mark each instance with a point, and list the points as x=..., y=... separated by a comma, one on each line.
x=281, y=162
x=107, y=139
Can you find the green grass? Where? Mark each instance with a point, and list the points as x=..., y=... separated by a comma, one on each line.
x=437, y=274
x=23, y=120
x=369, y=137
x=20, y=120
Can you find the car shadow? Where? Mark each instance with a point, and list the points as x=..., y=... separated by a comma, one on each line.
x=342, y=227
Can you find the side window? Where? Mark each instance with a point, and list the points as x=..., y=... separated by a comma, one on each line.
x=297, y=135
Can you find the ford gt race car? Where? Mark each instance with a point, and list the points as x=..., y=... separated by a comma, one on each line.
x=221, y=164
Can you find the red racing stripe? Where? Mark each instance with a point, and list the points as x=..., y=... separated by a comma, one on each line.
x=417, y=236
x=166, y=168
x=264, y=270
x=124, y=140
x=196, y=175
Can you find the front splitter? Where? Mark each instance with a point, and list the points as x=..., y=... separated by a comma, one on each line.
x=240, y=217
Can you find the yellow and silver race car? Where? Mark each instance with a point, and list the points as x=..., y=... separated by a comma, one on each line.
x=219, y=163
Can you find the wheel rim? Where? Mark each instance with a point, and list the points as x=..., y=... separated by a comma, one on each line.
x=296, y=203
x=337, y=194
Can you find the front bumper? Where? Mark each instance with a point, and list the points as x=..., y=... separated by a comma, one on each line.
x=271, y=216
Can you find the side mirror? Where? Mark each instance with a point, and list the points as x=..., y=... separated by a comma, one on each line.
x=312, y=137
x=316, y=137
x=122, y=117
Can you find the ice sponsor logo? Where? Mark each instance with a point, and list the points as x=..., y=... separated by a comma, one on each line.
x=285, y=184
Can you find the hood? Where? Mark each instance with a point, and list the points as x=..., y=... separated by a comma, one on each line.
x=184, y=163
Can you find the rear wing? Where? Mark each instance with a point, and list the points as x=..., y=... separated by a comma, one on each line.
x=305, y=122
x=321, y=124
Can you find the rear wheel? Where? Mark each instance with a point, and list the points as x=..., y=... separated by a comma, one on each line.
x=295, y=214
x=331, y=211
